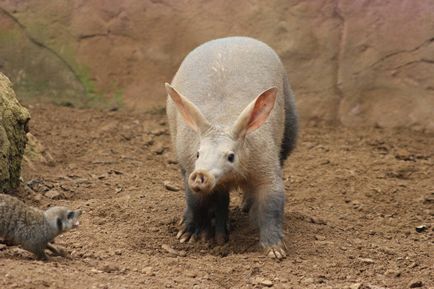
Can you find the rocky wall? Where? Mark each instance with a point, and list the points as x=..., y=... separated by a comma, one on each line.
x=362, y=62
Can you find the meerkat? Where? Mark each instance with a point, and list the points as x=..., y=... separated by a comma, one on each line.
x=34, y=229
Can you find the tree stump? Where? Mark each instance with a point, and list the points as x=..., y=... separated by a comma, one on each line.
x=14, y=120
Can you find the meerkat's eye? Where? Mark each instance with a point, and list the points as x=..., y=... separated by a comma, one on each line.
x=197, y=155
x=231, y=157
x=70, y=215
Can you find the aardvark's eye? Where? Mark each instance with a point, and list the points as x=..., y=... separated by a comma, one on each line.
x=231, y=157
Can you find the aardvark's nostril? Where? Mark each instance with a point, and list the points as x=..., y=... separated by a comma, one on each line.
x=201, y=182
x=198, y=178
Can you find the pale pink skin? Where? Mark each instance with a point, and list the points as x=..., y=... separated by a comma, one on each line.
x=223, y=103
x=212, y=163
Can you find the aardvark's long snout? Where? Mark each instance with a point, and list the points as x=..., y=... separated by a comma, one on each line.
x=201, y=181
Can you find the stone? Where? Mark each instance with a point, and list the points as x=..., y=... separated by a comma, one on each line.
x=415, y=284
x=412, y=265
x=366, y=260
x=110, y=268
x=53, y=194
x=263, y=281
x=14, y=120
x=36, y=152
x=318, y=221
x=392, y=273
x=159, y=149
x=320, y=238
x=172, y=251
x=421, y=228
x=356, y=286
x=266, y=282
x=172, y=161
x=147, y=270
x=170, y=187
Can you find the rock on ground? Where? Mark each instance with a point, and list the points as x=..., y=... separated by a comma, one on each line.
x=14, y=120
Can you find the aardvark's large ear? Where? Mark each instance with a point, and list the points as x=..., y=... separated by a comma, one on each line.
x=190, y=112
x=255, y=114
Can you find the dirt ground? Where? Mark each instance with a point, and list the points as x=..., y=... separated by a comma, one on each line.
x=354, y=200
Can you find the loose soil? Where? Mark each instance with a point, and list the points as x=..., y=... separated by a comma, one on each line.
x=354, y=198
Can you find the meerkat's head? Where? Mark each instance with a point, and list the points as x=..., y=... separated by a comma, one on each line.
x=62, y=219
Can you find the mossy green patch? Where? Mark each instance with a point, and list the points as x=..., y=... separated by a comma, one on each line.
x=45, y=68
x=13, y=127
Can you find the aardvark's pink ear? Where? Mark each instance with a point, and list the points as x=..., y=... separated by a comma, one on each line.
x=190, y=112
x=255, y=114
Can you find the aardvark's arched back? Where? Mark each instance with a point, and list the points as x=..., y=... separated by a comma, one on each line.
x=232, y=121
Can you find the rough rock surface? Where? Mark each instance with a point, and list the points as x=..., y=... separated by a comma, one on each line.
x=13, y=128
x=387, y=63
x=355, y=62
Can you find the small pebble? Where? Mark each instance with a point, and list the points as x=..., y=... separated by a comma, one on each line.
x=421, y=228
x=416, y=284
x=266, y=282
x=308, y=280
x=263, y=281
x=147, y=140
x=147, y=271
x=159, y=150
x=356, y=286
x=37, y=197
x=158, y=132
x=392, y=273
x=367, y=260
x=53, y=194
x=412, y=265
x=170, y=187
x=318, y=221
x=110, y=268
x=172, y=251
x=428, y=200
x=319, y=237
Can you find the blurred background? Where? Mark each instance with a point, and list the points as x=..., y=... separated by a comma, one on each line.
x=359, y=62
